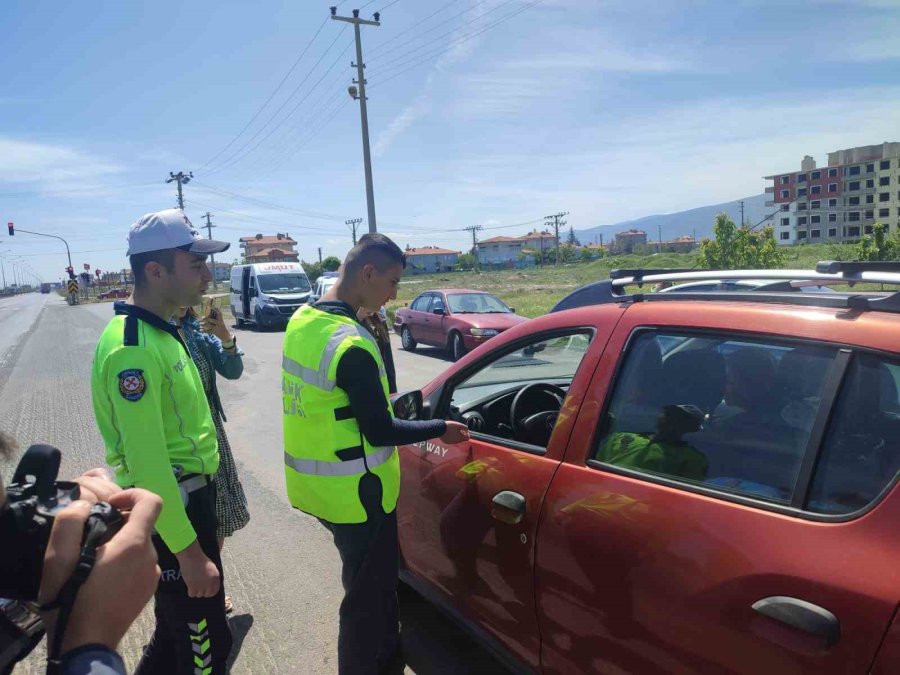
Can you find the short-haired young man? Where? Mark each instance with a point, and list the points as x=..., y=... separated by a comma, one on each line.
x=153, y=415
x=341, y=463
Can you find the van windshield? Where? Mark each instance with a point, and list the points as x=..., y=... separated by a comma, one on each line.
x=290, y=282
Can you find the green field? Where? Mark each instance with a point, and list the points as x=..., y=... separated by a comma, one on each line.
x=532, y=292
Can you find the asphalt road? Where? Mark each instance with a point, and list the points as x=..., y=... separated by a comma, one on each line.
x=282, y=569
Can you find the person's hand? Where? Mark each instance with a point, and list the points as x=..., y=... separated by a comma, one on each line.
x=122, y=581
x=199, y=572
x=96, y=486
x=364, y=313
x=456, y=433
x=215, y=325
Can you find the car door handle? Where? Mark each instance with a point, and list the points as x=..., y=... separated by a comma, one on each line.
x=802, y=615
x=508, y=507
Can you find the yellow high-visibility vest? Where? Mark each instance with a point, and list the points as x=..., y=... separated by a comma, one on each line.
x=325, y=453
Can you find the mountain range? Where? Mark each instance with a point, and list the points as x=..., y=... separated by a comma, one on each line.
x=697, y=222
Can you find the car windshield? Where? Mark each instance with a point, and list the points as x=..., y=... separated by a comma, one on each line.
x=476, y=303
x=283, y=283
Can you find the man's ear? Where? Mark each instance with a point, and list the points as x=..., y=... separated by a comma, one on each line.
x=368, y=272
x=153, y=270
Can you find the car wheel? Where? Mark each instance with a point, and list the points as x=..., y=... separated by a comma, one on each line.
x=406, y=339
x=457, y=347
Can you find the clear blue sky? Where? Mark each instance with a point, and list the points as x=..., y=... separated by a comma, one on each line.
x=608, y=109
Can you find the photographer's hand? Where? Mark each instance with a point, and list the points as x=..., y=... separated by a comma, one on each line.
x=122, y=581
x=199, y=572
x=96, y=486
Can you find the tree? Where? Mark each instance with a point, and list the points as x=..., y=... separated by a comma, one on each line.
x=313, y=270
x=466, y=261
x=736, y=248
x=331, y=263
x=572, y=240
x=878, y=246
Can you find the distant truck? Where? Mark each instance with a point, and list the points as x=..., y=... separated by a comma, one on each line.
x=267, y=294
x=45, y=288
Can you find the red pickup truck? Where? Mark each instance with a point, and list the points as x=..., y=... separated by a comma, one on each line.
x=672, y=483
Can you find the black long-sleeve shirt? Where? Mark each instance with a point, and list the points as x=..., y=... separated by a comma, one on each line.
x=357, y=374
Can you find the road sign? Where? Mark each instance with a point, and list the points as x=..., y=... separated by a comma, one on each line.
x=73, y=286
x=87, y=267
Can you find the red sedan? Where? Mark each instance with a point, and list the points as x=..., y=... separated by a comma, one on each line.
x=458, y=320
x=671, y=483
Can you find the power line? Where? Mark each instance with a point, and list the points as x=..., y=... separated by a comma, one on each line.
x=390, y=4
x=415, y=25
x=228, y=161
x=268, y=100
x=436, y=27
x=450, y=45
x=271, y=205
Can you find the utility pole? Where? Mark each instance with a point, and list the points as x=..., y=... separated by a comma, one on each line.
x=474, y=229
x=361, y=97
x=659, y=238
x=556, y=225
x=742, y=213
x=209, y=227
x=320, y=256
x=182, y=180
x=353, y=222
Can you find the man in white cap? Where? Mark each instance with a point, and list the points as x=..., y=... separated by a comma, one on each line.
x=153, y=415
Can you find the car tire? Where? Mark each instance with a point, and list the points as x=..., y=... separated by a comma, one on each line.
x=457, y=347
x=406, y=339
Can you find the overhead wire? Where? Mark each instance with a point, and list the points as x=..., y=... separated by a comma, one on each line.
x=268, y=100
x=237, y=154
x=444, y=22
x=453, y=43
x=380, y=46
x=400, y=62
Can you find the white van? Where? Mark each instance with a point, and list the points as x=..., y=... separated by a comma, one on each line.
x=267, y=294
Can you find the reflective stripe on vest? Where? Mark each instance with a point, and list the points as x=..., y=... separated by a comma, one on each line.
x=314, y=467
x=319, y=378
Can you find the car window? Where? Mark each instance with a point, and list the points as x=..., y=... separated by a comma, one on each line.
x=731, y=414
x=476, y=303
x=861, y=452
x=489, y=400
x=437, y=303
x=552, y=360
x=420, y=304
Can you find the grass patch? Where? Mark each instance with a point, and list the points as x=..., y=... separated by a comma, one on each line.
x=533, y=292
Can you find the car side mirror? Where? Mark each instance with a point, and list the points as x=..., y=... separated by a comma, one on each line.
x=408, y=406
x=438, y=311
x=512, y=309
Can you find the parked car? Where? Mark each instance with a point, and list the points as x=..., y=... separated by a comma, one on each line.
x=322, y=286
x=459, y=320
x=665, y=483
x=113, y=293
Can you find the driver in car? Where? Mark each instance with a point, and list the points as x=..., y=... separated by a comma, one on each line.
x=665, y=451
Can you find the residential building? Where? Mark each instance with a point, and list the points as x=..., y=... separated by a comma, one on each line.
x=269, y=248
x=427, y=259
x=513, y=251
x=625, y=242
x=839, y=202
x=683, y=244
x=222, y=271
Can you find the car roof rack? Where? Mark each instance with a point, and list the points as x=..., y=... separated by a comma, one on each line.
x=827, y=273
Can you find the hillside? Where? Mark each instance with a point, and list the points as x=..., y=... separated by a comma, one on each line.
x=698, y=222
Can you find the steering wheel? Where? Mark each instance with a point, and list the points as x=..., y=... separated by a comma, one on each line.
x=532, y=422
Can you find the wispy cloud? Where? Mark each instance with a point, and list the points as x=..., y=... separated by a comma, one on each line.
x=52, y=167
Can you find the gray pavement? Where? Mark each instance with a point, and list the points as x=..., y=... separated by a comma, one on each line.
x=282, y=569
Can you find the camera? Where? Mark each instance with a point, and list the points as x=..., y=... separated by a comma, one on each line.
x=33, y=501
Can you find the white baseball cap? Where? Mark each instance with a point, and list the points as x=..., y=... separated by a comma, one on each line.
x=170, y=229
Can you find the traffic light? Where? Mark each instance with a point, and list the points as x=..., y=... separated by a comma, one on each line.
x=12, y=230
x=70, y=272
